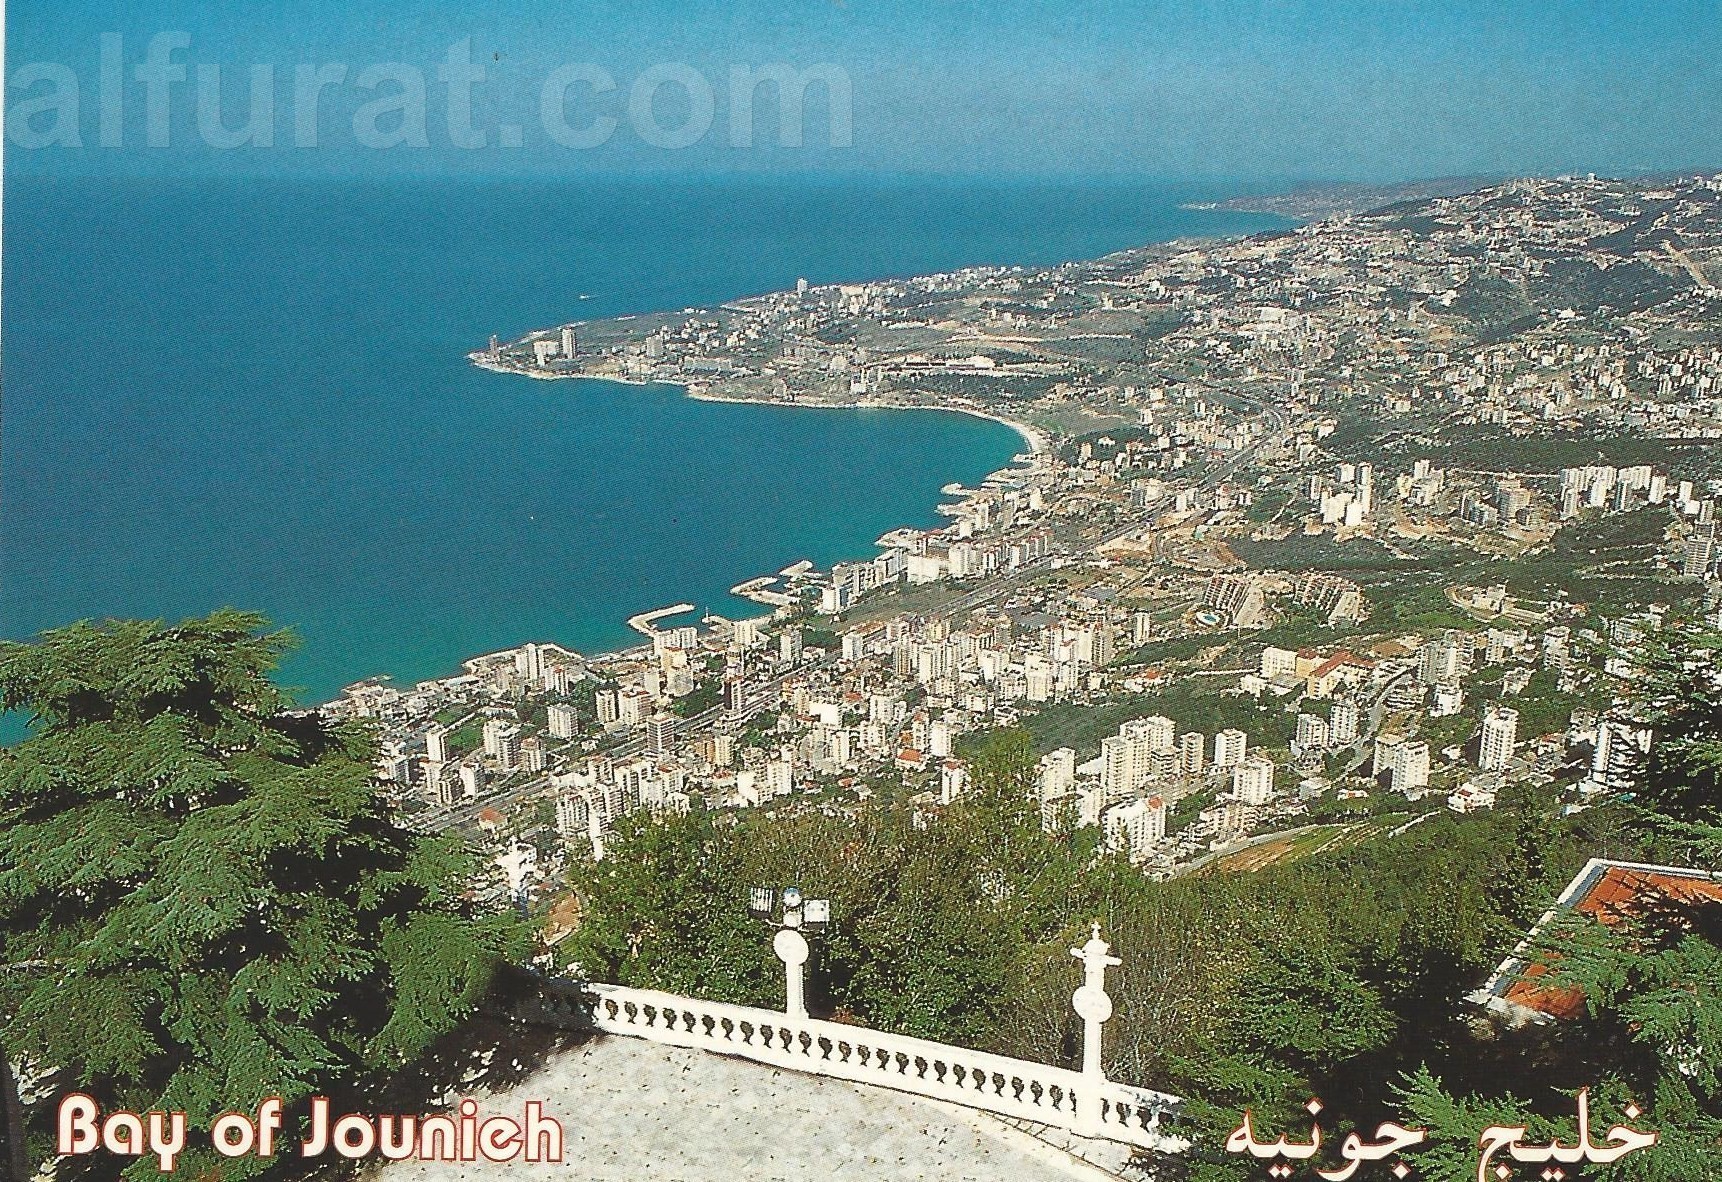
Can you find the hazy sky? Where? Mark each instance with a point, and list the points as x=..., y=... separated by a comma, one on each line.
x=1270, y=89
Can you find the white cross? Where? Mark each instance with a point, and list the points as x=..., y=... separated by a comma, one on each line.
x=1096, y=957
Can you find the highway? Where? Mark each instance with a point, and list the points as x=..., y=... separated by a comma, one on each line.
x=465, y=813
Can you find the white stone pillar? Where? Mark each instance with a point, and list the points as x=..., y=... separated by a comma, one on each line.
x=791, y=948
x=1094, y=1007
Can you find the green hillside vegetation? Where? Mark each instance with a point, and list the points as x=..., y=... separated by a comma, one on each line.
x=1338, y=974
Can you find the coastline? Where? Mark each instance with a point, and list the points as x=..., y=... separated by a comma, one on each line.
x=1038, y=440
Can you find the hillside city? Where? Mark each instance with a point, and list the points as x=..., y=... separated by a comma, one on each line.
x=1317, y=533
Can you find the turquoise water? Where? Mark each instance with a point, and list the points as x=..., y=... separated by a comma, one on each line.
x=257, y=394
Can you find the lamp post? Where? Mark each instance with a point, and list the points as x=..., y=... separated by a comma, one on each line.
x=1094, y=1007
x=798, y=915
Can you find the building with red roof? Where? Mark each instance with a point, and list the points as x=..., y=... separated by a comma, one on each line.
x=1607, y=891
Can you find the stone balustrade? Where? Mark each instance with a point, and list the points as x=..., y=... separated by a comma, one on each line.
x=1087, y=1105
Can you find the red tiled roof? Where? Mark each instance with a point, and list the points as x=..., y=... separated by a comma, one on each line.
x=1338, y=660
x=1605, y=891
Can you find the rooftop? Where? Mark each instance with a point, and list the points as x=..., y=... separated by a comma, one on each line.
x=1606, y=891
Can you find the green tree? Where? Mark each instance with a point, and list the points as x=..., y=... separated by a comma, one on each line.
x=666, y=908
x=1652, y=984
x=203, y=899
x=1678, y=694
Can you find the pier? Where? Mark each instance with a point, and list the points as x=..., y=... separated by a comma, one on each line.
x=643, y=622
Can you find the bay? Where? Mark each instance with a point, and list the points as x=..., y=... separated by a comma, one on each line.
x=255, y=393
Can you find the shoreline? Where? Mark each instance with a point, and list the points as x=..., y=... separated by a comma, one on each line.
x=1039, y=441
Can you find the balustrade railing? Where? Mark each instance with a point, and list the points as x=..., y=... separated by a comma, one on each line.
x=1088, y=1105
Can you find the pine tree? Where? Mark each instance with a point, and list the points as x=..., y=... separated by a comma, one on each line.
x=204, y=901
x=1677, y=693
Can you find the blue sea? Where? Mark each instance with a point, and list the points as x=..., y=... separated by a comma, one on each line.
x=256, y=394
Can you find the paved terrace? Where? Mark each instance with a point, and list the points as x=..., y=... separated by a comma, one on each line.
x=635, y=1111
